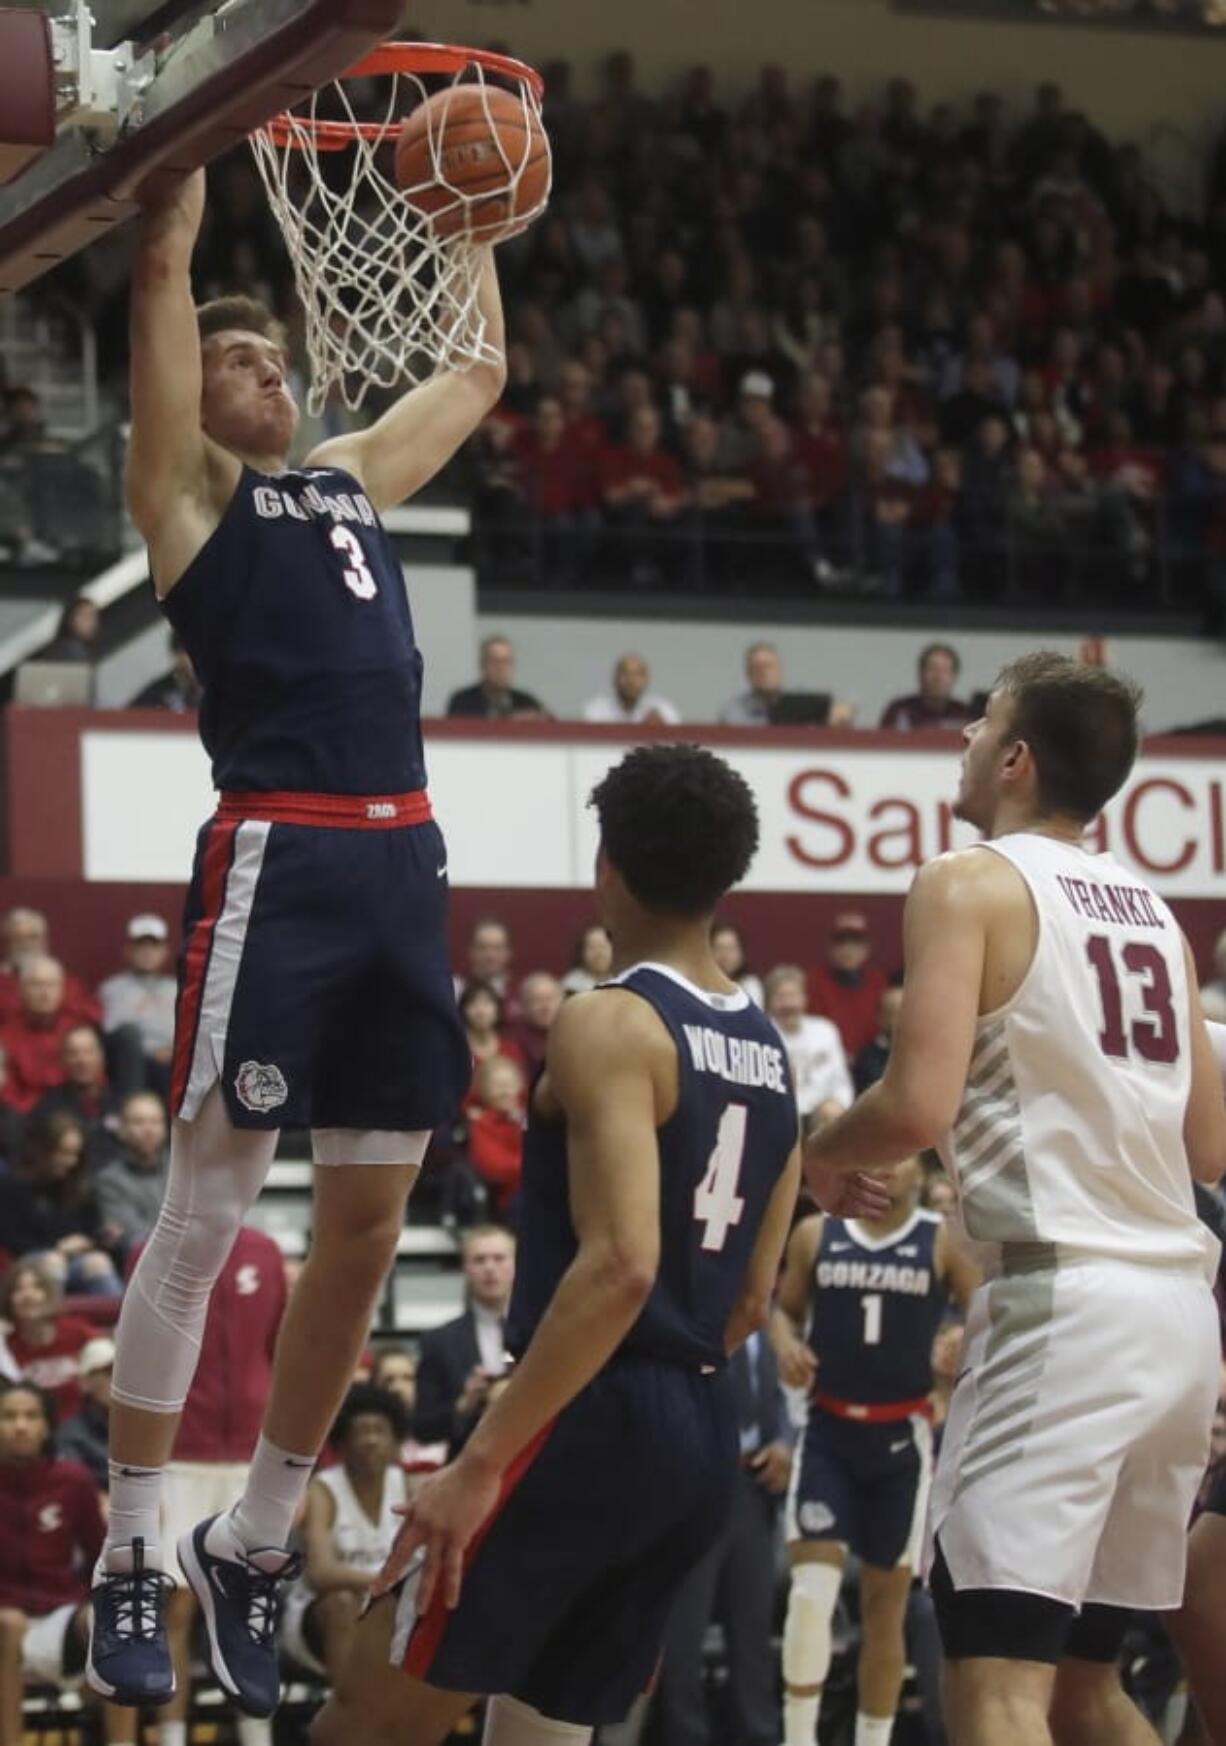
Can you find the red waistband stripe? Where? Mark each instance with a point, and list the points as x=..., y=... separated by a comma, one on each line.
x=353, y=812
x=882, y=1412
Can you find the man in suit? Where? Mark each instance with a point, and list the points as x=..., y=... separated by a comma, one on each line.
x=735, y=1582
x=460, y=1362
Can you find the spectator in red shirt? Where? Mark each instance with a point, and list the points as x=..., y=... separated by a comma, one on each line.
x=585, y=430
x=24, y=934
x=87, y=1094
x=33, y=1034
x=934, y=704
x=51, y=1532
x=481, y=1009
x=496, y=1131
x=44, y=1346
x=644, y=491
x=557, y=481
x=821, y=445
x=48, y=1207
x=216, y=1437
x=540, y=998
x=848, y=986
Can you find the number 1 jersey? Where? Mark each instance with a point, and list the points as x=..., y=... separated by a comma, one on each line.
x=1069, y=1140
x=721, y=1153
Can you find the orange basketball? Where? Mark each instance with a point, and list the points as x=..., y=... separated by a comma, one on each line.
x=480, y=142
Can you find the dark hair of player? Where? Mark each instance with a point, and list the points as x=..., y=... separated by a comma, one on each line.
x=45, y=1399
x=242, y=314
x=680, y=826
x=1081, y=726
x=364, y=1398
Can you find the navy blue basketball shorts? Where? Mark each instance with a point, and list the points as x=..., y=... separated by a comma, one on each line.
x=568, y=1586
x=314, y=981
x=863, y=1484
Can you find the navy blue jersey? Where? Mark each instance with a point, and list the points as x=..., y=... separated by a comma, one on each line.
x=877, y=1305
x=296, y=618
x=721, y=1154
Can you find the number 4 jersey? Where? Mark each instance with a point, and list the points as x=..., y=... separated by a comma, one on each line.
x=1070, y=1135
x=721, y=1154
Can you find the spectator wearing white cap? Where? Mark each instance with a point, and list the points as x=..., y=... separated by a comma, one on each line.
x=143, y=996
x=83, y=1437
x=741, y=433
x=628, y=699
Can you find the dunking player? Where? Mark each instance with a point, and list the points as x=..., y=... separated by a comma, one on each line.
x=660, y=1174
x=858, y=1307
x=1199, y=1627
x=1051, y=1038
x=314, y=985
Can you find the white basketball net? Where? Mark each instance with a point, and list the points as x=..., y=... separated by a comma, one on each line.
x=388, y=302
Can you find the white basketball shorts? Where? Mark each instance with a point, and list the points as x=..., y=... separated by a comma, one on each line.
x=1078, y=1434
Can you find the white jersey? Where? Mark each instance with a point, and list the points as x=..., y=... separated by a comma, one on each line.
x=356, y=1540
x=1070, y=1135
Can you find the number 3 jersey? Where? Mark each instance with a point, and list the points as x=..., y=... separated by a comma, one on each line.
x=296, y=618
x=1070, y=1135
x=721, y=1154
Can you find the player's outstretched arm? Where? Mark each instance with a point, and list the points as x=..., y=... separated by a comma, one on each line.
x=915, y=1102
x=1204, y=1127
x=403, y=450
x=167, y=451
x=796, y=1358
x=753, y=1304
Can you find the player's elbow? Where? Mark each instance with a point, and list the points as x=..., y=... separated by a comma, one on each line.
x=1208, y=1165
x=626, y=1272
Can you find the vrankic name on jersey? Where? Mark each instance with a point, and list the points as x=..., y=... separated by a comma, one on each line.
x=874, y=1276
x=739, y=1060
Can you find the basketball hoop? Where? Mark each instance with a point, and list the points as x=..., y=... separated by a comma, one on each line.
x=389, y=298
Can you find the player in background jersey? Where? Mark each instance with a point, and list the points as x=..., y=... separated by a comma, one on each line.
x=660, y=1172
x=1051, y=1039
x=858, y=1308
x=1199, y=1627
x=314, y=987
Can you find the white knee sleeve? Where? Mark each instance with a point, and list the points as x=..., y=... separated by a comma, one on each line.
x=216, y=1174
x=511, y=1723
x=812, y=1598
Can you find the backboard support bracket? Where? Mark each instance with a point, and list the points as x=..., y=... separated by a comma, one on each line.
x=167, y=111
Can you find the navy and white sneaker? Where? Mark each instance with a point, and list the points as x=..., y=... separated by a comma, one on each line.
x=237, y=1592
x=129, y=1658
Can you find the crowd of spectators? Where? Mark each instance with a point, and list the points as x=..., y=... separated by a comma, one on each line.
x=775, y=338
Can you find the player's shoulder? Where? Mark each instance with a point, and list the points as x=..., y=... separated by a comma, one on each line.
x=605, y=1022
x=970, y=879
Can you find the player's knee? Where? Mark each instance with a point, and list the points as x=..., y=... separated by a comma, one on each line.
x=360, y=1247
x=813, y=1595
x=1084, y=1695
x=13, y=1625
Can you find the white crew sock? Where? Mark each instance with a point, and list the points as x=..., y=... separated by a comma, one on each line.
x=253, y=1731
x=276, y=1484
x=800, y=1719
x=172, y=1734
x=873, y=1730
x=135, y=1512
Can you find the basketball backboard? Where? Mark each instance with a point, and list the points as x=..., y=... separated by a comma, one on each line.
x=143, y=87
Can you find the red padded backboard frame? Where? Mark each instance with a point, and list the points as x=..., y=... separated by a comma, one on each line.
x=27, y=90
x=48, y=215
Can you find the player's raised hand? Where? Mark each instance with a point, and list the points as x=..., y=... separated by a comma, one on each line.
x=439, y=1523
x=847, y=1194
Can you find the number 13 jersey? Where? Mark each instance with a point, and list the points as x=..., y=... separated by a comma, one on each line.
x=1069, y=1139
x=721, y=1153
